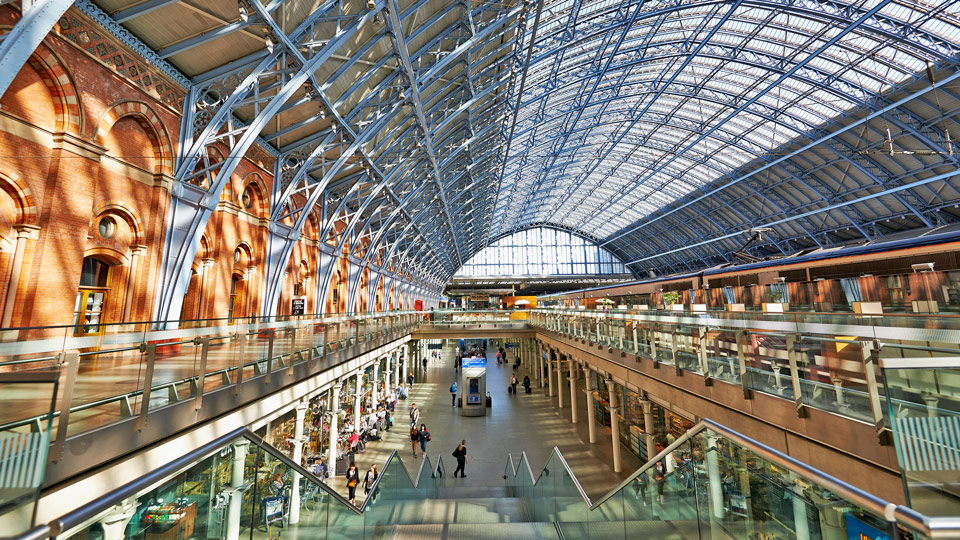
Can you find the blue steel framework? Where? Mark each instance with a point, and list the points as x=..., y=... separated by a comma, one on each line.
x=667, y=129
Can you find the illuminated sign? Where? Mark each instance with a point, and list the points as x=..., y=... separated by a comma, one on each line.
x=858, y=530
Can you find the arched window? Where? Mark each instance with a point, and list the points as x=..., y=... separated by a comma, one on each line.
x=92, y=297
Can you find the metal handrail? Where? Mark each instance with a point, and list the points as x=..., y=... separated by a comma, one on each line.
x=936, y=527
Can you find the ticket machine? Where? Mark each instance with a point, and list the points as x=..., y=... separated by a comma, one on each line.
x=473, y=387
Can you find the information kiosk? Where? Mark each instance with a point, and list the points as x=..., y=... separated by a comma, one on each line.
x=473, y=387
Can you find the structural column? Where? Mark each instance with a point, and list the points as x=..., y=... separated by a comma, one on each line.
x=24, y=232
x=114, y=524
x=588, y=390
x=647, y=407
x=297, y=457
x=559, y=384
x=800, y=523
x=550, y=372
x=573, y=392
x=396, y=369
x=334, y=425
x=235, y=508
x=713, y=475
x=136, y=253
x=539, y=365
x=615, y=428
x=376, y=385
x=358, y=393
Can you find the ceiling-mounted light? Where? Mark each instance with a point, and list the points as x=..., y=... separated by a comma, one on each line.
x=244, y=14
x=268, y=42
x=371, y=5
x=403, y=96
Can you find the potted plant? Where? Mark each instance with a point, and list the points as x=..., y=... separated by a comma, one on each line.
x=670, y=299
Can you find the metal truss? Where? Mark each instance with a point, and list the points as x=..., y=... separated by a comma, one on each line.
x=37, y=19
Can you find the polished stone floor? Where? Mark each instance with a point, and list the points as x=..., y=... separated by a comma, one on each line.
x=529, y=423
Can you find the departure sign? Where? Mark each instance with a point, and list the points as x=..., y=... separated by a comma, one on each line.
x=474, y=362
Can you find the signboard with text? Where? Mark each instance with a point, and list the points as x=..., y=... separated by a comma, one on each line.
x=472, y=362
x=858, y=530
x=298, y=307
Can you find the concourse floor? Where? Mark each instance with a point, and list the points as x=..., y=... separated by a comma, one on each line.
x=529, y=423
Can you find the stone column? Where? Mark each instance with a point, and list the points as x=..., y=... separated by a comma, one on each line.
x=235, y=508
x=559, y=384
x=135, y=255
x=539, y=365
x=396, y=369
x=374, y=395
x=800, y=524
x=550, y=372
x=115, y=522
x=297, y=457
x=713, y=476
x=588, y=390
x=24, y=232
x=647, y=407
x=615, y=427
x=334, y=426
x=358, y=392
x=573, y=392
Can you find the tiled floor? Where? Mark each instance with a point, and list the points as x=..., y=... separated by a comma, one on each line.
x=528, y=423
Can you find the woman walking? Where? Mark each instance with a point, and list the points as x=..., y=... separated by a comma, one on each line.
x=513, y=383
x=353, y=478
x=369, y=480
x=424, y=437
x=414, y=439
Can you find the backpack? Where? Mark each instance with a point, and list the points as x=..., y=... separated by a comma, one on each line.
x=453, y=388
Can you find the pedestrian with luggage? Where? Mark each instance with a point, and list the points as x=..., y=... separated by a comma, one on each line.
x=461, y=454
x=513, y=382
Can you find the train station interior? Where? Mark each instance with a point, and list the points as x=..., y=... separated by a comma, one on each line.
x=476, y=269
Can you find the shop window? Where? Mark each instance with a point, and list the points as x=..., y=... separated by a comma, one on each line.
x=92, y=297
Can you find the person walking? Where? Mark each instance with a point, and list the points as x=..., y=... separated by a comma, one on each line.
x=414, y=415
x=513, y=383
x=369, y=480
x=414, y=439
x=461, y=454
x=526, y=384
x=424, y=437
x=660, y=477
x=453, y=394
x=353, y=478
x=410, y=380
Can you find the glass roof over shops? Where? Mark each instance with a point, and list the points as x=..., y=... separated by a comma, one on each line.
x=415, y=133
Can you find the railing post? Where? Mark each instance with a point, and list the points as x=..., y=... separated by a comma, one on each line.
x=151, y=350
x=704, y=361
x=270, y=340
x=871, y=359
x=242, y=338
x=744, y=372
x=72, y=362
x=204, y=343
x=795, y=375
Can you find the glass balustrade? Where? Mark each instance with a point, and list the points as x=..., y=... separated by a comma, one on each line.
x=241, y=487
x=714, y=483
x=129, y=370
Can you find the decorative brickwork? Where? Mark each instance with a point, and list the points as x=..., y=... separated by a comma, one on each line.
x=108, y=50
x=163, y=151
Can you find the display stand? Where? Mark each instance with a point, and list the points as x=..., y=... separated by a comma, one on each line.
x=473, y=384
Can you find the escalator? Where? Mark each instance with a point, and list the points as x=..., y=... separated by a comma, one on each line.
x=711, y=483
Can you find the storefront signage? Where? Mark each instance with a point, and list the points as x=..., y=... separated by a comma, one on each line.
x=858, y=530
x=299, y=305
x=432, y=346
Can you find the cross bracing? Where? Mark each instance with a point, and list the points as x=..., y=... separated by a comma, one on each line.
x=416, y=132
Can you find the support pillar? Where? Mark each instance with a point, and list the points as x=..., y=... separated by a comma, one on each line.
x=713, y=475
x=334, y=425
x=573, y=392
x=235, y=509
x=396, y=370
x=115, y=522
x=559, y=384
x=647, y=407
x=374, y=394
x=357, y=393
x=800, y=524
x=615, y=428
x=550, y=372
x=539, y=365
x=588, y=390
x=24, y=232
x=297, y=457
